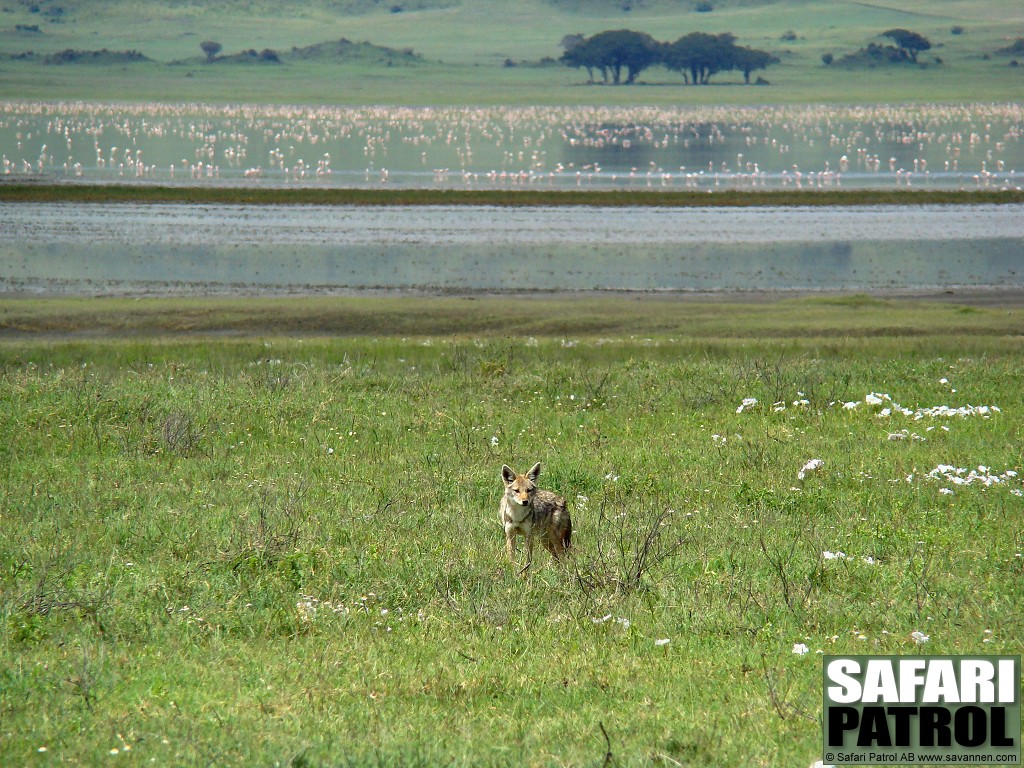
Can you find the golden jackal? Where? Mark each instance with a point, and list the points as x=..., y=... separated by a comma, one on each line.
x=527, y=511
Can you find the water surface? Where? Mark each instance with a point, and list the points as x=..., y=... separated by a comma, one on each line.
x=959, y=146
x=208, y=249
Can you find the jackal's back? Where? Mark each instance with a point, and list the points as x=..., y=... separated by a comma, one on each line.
x=551, y=514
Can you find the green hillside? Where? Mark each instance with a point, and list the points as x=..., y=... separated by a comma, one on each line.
x=493, y=51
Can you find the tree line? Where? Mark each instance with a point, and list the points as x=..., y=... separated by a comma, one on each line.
x=908, y=46
x=621, y=55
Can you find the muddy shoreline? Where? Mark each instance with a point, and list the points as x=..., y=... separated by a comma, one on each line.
x=981, y=297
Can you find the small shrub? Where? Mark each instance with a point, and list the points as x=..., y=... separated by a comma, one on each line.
x=180, y=434
x=636, y=541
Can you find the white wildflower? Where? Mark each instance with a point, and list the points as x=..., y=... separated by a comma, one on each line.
x=982, y=475
x=904, y=434
x=662, y=641
x=919, y=637
x=811, y=466
x=800, y=649
x=307, y=609
x=748, y=402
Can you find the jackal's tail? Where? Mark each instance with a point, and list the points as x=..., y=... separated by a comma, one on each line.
x=567, y=536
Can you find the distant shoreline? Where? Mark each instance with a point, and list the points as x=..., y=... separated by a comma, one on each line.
x=27, y=190
x=972, y=296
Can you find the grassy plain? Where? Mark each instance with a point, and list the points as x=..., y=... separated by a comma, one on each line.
x=487, y=52
x=280, y=545
x=265, y=532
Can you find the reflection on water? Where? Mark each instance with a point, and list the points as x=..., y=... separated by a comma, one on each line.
x=196, y=249
x=931, y=146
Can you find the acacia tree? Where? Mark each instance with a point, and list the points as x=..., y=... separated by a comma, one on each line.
x=908, y=42
x=613, y=52
x=571, y=41
x=746, y=60
x=697, y=56
x=583, y=54
x=210, y=48
x=701, y=55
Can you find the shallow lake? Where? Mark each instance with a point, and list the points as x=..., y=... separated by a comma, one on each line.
x=214, y=249
x=963, y=146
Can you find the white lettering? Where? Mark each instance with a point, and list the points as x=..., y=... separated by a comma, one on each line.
x=848, y=689
x=879, y=682
x=940, y=681
x=1007, y=682
x=910, y=680
x=922, y=680
x=976, y=681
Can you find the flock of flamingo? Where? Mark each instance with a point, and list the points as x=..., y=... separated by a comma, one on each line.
x=801, y=146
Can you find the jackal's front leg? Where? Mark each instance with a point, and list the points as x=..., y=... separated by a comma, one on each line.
x=510, y=546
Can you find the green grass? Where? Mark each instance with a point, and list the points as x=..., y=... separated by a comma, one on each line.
x=849, y=319
x=174, y=505
x=466, y=45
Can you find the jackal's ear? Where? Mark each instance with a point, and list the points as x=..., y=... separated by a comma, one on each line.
x=533, y=473
x=507, y=473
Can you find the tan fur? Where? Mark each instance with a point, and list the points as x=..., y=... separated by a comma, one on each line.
x=528, y=511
